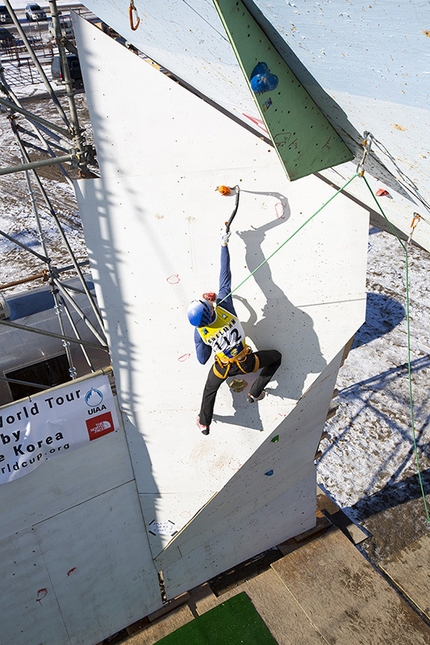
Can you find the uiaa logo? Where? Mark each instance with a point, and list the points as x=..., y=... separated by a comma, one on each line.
x=93, y=398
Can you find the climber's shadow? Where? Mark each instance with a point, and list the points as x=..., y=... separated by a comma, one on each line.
x=282, y=325
x=245, y=414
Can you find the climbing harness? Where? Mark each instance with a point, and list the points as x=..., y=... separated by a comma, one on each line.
x=132, y=12
x=225, y=362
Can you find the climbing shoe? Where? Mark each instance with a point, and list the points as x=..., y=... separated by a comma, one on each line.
x=204, y=429
x=252, y=399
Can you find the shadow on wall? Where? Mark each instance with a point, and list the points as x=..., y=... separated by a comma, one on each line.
x=382, y=315
x=282, y=326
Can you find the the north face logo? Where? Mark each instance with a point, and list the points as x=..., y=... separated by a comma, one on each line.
x=100, y=425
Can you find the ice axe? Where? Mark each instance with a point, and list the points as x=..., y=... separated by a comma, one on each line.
x=225, y=190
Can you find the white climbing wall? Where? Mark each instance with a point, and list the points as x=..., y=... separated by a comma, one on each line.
x=71, y=534
x=363, y=64
x=87, y=536
x=152, y=224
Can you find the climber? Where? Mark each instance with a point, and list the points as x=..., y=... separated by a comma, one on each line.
x=218, y=329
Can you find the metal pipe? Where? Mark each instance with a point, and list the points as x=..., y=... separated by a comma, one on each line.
x=75, y=329
x=65, y=241
x=59, y=311
x=37, y=164
x=77, y=131
x=36, y=130
x=23, y=246
x=78, y=310
x=76, y=265
x=51, y=334
x=33, y=117
x=25, y=157
x=36, y=63
x=14, y=283
x=15, y=380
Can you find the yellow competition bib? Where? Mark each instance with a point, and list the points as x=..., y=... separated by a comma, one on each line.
x=225, y=334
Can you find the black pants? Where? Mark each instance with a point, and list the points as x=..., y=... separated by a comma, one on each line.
x=270, y=360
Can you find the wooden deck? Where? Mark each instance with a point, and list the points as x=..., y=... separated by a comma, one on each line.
x=409, y=571
x=323, y=592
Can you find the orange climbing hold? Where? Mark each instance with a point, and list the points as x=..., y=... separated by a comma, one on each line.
x=224, y=190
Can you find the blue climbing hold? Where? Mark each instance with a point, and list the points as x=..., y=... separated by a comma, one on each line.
x=262, y=80
x=269, y=473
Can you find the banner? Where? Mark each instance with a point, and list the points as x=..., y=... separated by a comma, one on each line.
x=54, y=422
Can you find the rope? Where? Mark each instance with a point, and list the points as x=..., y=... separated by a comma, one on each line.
x=290, y=238
x=407, y=308
x=360, y=173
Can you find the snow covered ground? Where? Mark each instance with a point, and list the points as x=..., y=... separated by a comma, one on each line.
x=369, y=464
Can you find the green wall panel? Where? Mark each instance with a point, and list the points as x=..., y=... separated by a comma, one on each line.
x=303, y=137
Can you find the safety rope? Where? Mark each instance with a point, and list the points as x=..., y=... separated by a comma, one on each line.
x=291, y=237
x=360, y=173
x=408, y=327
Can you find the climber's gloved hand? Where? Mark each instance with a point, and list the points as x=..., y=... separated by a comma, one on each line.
x=225, y=238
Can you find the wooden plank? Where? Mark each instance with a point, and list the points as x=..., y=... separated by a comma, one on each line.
x=345, y=598
x=339, y=519
x=409, y=569
x=275, y=604
x=279, y=610
x=163, y=627
x=202, y=598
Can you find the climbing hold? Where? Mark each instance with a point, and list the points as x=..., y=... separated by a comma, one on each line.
x=224, y=190
x=381, y=192
x=267, y=104
x=269, y=473
x=262, y=80
x=275, y=439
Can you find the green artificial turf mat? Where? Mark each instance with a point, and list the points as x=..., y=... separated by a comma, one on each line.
x=234, y=622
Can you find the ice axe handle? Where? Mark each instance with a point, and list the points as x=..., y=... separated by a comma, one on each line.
x=236, y=206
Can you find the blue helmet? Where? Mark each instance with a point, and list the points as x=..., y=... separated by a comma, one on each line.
x=200, y=313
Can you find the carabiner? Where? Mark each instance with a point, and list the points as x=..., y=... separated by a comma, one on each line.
x=367, y=143
x=416, y=218
x=131, y=9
